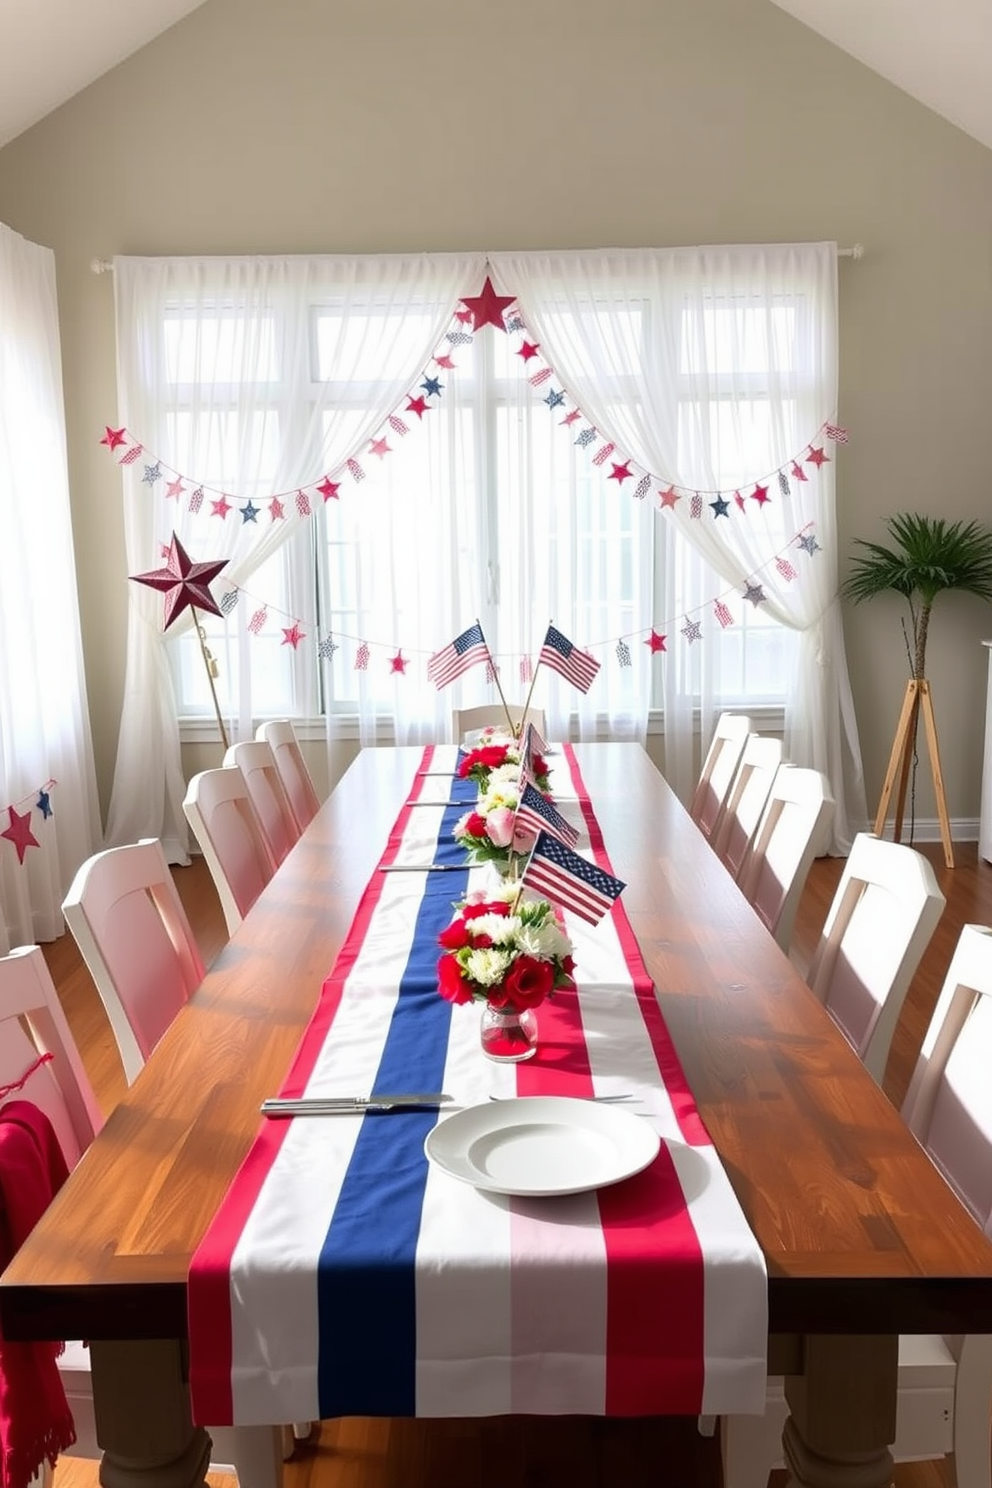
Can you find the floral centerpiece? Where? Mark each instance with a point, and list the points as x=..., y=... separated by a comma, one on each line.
x=509, y=952
x=489, y=833
x=482, y=761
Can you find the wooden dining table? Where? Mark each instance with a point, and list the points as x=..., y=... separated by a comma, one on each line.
x=861, y=1236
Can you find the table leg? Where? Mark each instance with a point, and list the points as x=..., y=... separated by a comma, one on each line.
x=843, y=1412
x=143, y=1421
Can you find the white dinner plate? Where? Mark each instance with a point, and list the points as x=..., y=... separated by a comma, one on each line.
x=540, y=1145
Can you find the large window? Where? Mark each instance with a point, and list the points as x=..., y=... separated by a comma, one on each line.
x=487, y=506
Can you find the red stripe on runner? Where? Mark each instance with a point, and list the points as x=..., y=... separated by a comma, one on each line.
x=208, y=1285
x=645, y=1218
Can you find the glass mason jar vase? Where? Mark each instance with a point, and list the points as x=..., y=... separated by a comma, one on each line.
x=508, y=1035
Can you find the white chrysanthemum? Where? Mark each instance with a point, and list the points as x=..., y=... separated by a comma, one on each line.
x=488, y=967
x=499, y=793
x=504, y=775
x=501, y=929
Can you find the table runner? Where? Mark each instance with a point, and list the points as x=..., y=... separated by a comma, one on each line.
x=344, y=1275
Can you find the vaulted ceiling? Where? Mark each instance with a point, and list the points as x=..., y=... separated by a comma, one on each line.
x=940, y=51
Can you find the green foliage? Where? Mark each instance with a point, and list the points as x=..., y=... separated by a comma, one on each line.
x=928, y=556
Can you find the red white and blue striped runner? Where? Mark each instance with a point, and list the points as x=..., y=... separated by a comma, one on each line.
x=345, y=1275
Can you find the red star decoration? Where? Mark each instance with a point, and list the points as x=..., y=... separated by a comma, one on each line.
x=175, y=488
x=620, y=473
x=379, y=447
x=183, y=582
x=487, y=308
x=276, y=509
x=418, y=405
x=398, y=663
x=668, y=498
x=293, y=635
x=445, y=361
x=760, y=495
x=798, y=473
x=739, y=499
x=113, y=438
x=571, y=417
x=528, y=349
x=329, y=488
x=655, y=641
x=817, y=457
x=220, y=508
x=19, y=832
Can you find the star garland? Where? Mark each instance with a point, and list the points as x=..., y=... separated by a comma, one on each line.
x=18, y=830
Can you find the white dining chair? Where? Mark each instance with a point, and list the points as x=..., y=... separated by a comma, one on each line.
x=791, y=832
x=127, y=919
x=280, y=735
x=718, y=771
x=468, y=721
x=229, y=833
x=883, y=913
x=32, y=1026
x=746, y=800
x=944, y=1381
x=255, y=760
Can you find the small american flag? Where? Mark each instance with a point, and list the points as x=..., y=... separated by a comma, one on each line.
x=569, y=880
x=531, y=744
x=464, y=651
x=526, y=670
x=561, y=656
x=541, y=815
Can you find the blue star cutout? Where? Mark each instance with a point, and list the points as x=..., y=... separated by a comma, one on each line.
x=554, y=400
x=693, y=631
x=754, y=593
x=810, y=543
x=152, y=474
x=249, y=512
x=327, y=648
x=44, y=804
x=432, y=387
x=720, y=507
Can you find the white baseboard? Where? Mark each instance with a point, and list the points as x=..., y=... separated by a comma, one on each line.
x=927, y=829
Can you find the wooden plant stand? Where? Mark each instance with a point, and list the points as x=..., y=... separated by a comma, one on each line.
x=917, y=700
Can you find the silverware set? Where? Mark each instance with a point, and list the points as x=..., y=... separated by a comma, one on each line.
x=357, y=1105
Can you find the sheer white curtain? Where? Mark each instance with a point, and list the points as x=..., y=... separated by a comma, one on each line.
x=714, y=368
x=218, y=363
x=44, y=724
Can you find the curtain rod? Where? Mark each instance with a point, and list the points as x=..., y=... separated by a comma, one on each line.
x=105, y=265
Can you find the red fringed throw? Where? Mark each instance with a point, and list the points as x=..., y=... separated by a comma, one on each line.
x=35, y=1420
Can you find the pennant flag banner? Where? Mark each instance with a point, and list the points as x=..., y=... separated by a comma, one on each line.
x=19, y=829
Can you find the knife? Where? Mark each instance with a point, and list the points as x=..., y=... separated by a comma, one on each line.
x=340, y=1105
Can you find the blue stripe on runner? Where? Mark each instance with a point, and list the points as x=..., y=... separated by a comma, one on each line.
x=377, y=1216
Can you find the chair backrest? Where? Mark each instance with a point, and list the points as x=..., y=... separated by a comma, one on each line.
x=791, y=831
x=882, y=916
x=281, y=738
x=226, y=825
x=948, y=1105
x=33, y=1024
x=748, y=796
x=128, y=921
x=719, y=767
x=493, y=715
x=255, y=760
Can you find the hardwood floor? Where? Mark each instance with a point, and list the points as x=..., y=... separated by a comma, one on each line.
x=522, y=1452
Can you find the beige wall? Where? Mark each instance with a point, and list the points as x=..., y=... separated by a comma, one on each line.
x=377, y=125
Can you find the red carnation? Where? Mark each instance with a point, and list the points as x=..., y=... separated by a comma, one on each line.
x=476, y=825
x=497, y=907
x=454, y=936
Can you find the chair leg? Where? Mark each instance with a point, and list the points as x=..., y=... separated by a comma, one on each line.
x=303, y=1430
x=972, y=1464
x=752, y=1445
x=254, y=1451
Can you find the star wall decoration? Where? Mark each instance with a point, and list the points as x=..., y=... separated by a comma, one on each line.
x=329, y=488
x=817, y=457
x=18, y=831
x=327, y=648
x=113, y=437
x=292, y=635
x=693, y=631
x=760, y=495
x=667, y=499
x=621, y=472
x=183, y=582
x=809, y=543
x=398, y=663
x=487, y=308
x=720, y=507
x=655, y=641
x=754, y=593
x=249, y=512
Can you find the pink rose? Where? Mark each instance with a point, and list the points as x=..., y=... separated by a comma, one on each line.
x=499, y=826
x=450, y=982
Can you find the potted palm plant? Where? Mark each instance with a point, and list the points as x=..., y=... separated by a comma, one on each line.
x=928, y=555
